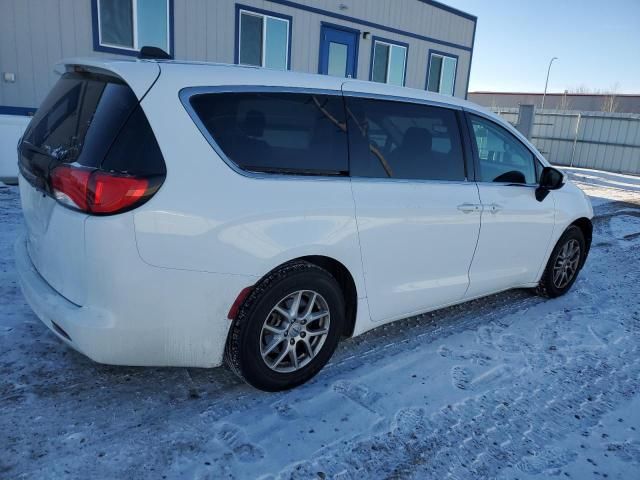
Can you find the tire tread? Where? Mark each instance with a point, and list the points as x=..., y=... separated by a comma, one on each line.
x=232, y=348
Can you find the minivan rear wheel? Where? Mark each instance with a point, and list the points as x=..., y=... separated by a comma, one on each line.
x=287, y=328
x=564, y=264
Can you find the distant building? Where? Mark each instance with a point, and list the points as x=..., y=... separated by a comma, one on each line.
x=586, y=102
x=418, y=43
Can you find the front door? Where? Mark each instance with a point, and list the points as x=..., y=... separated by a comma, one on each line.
x=338, y=51
x=418, y=218
x=515, y=227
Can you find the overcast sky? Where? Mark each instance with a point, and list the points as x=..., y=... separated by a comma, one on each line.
x=597, y=43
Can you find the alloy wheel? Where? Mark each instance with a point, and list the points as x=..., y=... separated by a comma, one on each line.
x=566, y=264
x=294, y=331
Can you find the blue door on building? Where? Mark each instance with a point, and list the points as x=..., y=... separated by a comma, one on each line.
x=338, y=51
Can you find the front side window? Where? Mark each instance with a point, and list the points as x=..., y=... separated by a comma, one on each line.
x=129, y=25
x=502, y=157
x=441, y=76
x=404, y=140
x=388, y=62
x=263, y=40
x=291, y=133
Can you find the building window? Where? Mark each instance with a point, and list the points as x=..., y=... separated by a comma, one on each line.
x=125, y=26
x=263, y=39
x=388, y=62
x=441, y=73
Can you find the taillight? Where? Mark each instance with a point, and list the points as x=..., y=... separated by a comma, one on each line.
x=98, y=192
x=113, y=193
x=70, y=186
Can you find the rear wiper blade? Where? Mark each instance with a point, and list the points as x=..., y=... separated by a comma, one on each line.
x=33, y=148
x=59, y=154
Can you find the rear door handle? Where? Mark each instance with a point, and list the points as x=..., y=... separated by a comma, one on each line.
x=493, y=208
x=469, y=207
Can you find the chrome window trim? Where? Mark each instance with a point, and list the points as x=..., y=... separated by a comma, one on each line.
x=186, y=93
x=410, y=180
x=396, y=98
x=510, y=184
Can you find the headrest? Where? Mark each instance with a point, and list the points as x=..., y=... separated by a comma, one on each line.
x=416, y=137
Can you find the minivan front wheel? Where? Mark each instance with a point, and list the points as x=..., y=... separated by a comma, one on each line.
x=287, y=328
x=564, y=264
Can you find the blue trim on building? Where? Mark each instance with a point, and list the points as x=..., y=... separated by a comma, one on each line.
x=21, y=111
x=449, y=9
x=346, y=29
x=392, y=42
x=172, y=26
x=236, y=48
x=367, y=23
x=473, y=43
x=123, y=51
x=444, y=54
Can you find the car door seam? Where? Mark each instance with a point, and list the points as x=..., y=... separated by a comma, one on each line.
x=475, y=249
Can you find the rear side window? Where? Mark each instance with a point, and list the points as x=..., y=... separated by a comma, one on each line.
x=92, y=120
x=404, y=140
x=278, y=132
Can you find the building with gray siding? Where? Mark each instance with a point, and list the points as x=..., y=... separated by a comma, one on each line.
x=585, y=102
x=417, y=43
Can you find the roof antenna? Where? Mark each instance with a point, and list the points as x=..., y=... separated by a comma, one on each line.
x=154, y=53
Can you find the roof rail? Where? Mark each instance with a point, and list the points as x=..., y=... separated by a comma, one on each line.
x=155, y=53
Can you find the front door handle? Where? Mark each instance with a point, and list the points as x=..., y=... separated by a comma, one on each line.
x=469, y=207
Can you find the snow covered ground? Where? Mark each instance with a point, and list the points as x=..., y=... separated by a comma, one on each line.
x=511, y=386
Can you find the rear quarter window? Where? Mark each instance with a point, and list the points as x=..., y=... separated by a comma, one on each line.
x=295, y=133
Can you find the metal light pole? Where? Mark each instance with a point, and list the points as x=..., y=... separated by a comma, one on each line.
x=547, y=82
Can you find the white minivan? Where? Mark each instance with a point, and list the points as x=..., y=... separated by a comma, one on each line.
x=187, y=214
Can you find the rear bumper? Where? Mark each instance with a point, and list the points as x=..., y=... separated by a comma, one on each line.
x=168, y=318
x=79, y=323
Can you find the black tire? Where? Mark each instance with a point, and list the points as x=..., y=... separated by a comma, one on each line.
x=547, y=287
x=242, y=352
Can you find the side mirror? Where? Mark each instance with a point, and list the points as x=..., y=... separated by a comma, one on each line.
x=550, y=179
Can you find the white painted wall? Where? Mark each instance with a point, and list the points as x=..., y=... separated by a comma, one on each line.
x=11, y=128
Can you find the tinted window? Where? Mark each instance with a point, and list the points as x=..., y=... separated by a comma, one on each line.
x=404, y=140
x=80, y=118
x=380, y=61
x=135, y=149
x=93, y=120
x=251, y=39
x=502, y=157
x=277, y=132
